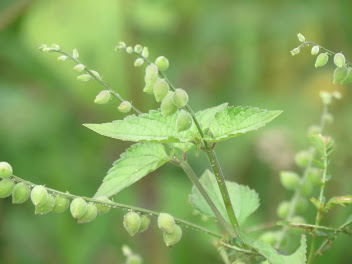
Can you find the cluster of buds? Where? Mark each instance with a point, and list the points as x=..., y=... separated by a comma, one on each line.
x=134, y=223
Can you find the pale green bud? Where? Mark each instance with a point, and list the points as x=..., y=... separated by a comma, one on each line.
x=180, y=98
x=62, y=58
x=161, y=89
x=337, y=95
x=103, y=97
x=183, y=122
x=290, y=180
x=39, y=195
x=138, y=48
x=41, y=47
x=129, y=49
x=55, y=46
x=322, y=59
x=326, y=97
x=315, y=50
x=348, y=78
x=79, y=67
x=5, y=170
x=340, y=75
x=150, y=84
x=162, y=63
x=339, y=60
x=90, y=214
x=124, y=107
x=295, y=51
x=283, y=209
x=301, y=38
x=84, y=77
x=103, y=209
x=167, y=105
x=96, y=74
x=171, y=239
x=46, y=207
x=151, y=72
x=145, y=52
x=132, y=223
x=145, y=222
x=166, y=223
x=61, y=204
x=47, y=49
x=303, y=158
x=78, y=207
x=6, y=188
x=20, y=193
x=122, y=44
x=75, y=54
x=138, y=62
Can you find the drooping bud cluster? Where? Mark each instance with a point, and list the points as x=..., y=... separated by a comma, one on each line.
x=172, y=232
x=134, y=223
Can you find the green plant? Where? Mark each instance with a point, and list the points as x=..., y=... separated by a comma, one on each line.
x=166, y=135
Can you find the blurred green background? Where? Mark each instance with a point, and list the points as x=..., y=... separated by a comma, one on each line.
x=233, y=51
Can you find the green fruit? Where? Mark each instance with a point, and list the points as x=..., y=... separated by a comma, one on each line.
x=301, y=205
x=132, y=223
x=171, y=239
x=301, y=38
x=283, y=209
x=124, y=107
x=269, y=238
x=90, y=214
x=5, y=170
x=46, y=207
x=150, y=84
x=78, y=207
x=138, y=48
x=303, y=158
x=6, y=188
x=138, y=62
x=167, y=105
x=180, y=98
x=289, y=180
x=103, y=97
x=183, y=122
x=145, y=222
x=151, y=72
x=339, y=60
x=314, y=175
x=166, y=223
x=61, y=204
x=103, y=209
x=162, y=63
x=340, y=74
x=39, y=195
x=348, y=78
x=20, y=193
x=322, y=59
x=161, y=89
x=315, y=50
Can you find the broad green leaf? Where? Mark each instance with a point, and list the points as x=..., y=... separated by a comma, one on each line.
x=244, y=200
x=234, y=121
x=135, y=163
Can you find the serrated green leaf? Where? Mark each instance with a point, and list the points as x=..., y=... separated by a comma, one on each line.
x=234, y=121
x=244, y=200
x=135, y=163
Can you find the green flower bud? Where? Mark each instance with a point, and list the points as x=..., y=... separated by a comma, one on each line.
x=132, y=223
x=348, y=78
x=145, y=52
x=138, y=48
x=295, y=51
x=171, y=239
x=322, y=59
x=301, y=205
x=167, y=105
x=301, y=38
x=124, y=107
x=340, y=75
x=96, y=74
x=62, y=58
x=5, y=170
x=339, y=60
x=180, y=98
x=78, y=207
x=75, y=54
x=283, y=209
x=90, y=214
x=84, y=77
x=79, y=67
x=138, y=62
x=150, y=85
x=145, y=222
x=55, y=46
x=289, y=180
x=46, y=207
x=47, y=49
x=161, y=89
x=269, y=238
x=61, y=204
x=326, y=97
x=6, y=188
x=151, y=72
x=307, y=188
x=20, y=193
x=129, y=49
x=315, y=50
x=183, y=122
x=162, y=63
x=314, y=175
x=166, y=223
x=39, y=195
x=103, y=209
x=122, y=44
x=134, y=259
x=103, y=97
x=298, y=220
x=303, y=158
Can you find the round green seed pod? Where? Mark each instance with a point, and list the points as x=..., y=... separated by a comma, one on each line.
x=322, y=59
x=6, y=188
x=339, y=60
x=150, y=85
x=183, y=122
x=303, y=158
x=20, y=193
x=180, y=98
x=167, y=105
x=314, y=175
x=166, y=223
x=125, y=107
x=103, y=209
x=132, y=223
x=161, y=89
x=162, y=63
x=78, y=207
x=289, y=180
x=46, y=207
x=103, y=97
x=145, y=222
x=269, y=238
x=171, y=239
x=61, y=204
x=283, y=209
x=5, y=170
x=315, y=50
x=151, y=72
x=301, y=205
x=39, y=195
x=90, y=214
